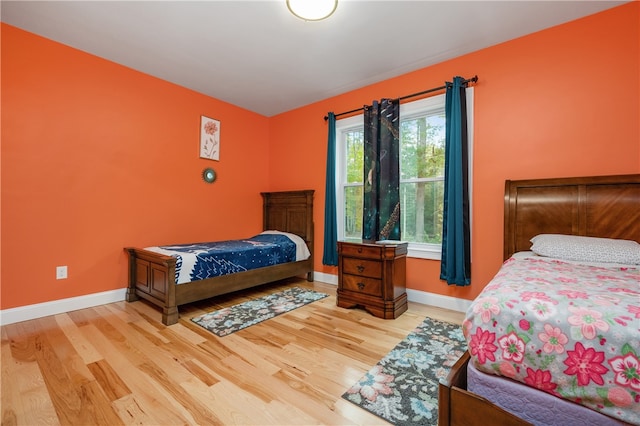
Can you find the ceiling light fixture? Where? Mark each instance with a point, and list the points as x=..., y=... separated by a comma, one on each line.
x=312, y=10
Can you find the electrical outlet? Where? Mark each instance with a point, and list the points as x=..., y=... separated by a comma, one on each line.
x=61, y=272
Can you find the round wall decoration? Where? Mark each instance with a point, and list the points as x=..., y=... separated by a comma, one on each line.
x=208, y=175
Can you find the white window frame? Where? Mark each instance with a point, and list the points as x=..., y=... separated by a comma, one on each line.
x=417, y=250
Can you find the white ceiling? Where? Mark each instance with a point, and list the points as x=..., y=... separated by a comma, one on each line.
x=257, y=55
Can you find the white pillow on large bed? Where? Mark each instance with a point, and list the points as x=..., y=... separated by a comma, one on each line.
x=586, y=249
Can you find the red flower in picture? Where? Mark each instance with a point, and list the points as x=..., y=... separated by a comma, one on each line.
x=210, y=128
x=586, y=364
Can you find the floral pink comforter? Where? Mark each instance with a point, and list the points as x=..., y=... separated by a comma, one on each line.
x=570, y=330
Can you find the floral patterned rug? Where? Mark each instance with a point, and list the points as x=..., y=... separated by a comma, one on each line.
x=229, y=320
x=403, y=387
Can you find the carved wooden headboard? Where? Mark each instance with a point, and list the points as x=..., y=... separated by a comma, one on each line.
x=595, y=206
x=289, y=211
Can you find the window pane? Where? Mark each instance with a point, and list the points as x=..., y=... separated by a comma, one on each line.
x=421, y=204
x=422, y=146
x=353, y=211
x=355, y=155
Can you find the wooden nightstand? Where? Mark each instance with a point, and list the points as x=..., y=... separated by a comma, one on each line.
x=373, y=276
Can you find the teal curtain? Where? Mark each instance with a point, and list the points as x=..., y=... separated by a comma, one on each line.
x=455, y=265
x=330, y=252
x=381, y=204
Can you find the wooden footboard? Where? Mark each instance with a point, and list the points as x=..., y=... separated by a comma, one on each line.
x=459, y=407
x=152, y=277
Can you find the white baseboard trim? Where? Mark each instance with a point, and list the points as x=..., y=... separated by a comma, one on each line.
x=423, y=297
x=432, y=299
x=39, y=310
x=55, y=307
x=325, y=278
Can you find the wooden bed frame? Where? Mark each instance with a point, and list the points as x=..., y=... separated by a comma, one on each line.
x=152, y=275
x=598, y=206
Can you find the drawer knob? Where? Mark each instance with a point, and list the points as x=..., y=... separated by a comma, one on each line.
x=360, y=286
x=360, y=268
x=359, y=249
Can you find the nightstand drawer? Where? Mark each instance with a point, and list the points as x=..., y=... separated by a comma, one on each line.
x=363, y=267
x=362, y=285
x=361, y=250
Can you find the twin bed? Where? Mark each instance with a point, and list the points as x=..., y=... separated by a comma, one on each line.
x=554, y=338
x=170, y=276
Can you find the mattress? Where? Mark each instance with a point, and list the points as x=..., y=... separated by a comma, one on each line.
x=198, y=261
x=569, y=329
x=532, y=405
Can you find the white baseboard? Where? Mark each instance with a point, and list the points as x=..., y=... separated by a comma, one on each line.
x=24, y=313
x=325, y=278
x=432, y=299
x=423, y=297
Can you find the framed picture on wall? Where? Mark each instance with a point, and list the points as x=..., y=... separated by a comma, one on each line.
x=209, y=138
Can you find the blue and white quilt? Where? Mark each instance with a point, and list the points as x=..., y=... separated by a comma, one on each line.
x=212, y=259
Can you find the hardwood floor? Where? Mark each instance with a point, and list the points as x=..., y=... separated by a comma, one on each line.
x=118, y=364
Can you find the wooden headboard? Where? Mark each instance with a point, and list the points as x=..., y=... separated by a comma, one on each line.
x=289, y=211
x=595, y=206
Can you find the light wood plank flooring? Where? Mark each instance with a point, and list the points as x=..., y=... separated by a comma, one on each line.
x=117, y=364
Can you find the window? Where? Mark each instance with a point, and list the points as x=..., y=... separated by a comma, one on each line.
x=422, y=142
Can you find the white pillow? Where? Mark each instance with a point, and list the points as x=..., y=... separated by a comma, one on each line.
x=302, y=251
x=586, y=249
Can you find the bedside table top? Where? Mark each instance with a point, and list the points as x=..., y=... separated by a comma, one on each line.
x=374, y=243
x=361, y=248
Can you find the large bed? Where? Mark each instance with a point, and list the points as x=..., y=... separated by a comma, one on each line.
x=555, y=339
x=154, y=276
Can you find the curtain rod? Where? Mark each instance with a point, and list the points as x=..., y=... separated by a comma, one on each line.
x=473, y=79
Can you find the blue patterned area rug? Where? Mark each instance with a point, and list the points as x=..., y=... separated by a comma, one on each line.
x=234, y=318
x=403, y=387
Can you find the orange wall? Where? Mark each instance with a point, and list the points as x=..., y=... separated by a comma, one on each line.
x=96, y=157
x=560, y=102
